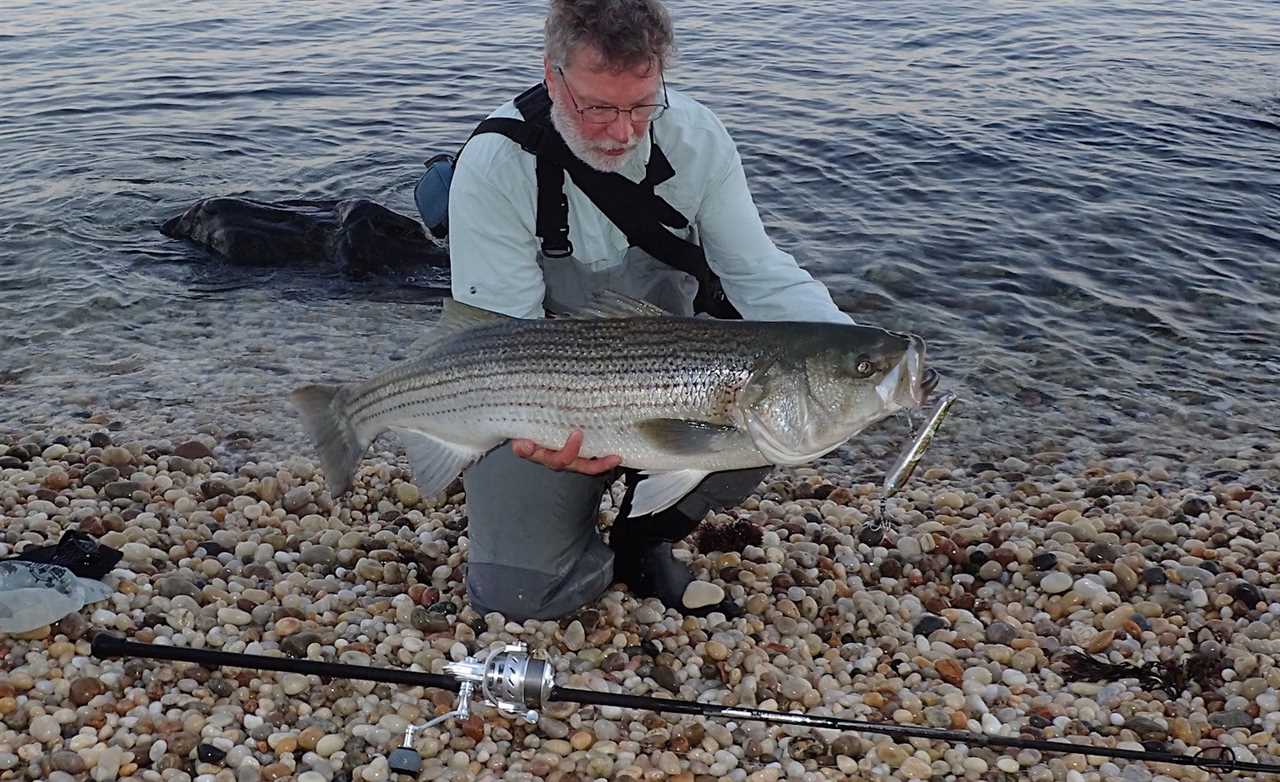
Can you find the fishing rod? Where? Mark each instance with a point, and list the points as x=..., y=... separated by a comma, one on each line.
x=519, y=684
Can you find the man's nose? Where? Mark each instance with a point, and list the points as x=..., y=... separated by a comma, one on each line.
x=622, y=128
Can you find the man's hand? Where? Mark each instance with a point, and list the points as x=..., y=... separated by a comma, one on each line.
x=567, y=457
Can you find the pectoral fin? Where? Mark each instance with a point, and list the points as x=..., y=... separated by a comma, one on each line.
x=684, y=437
x=659, y=491
x=435, y=462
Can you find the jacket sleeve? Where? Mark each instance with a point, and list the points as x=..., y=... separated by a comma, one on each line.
x=762, y=281
x=493, y=251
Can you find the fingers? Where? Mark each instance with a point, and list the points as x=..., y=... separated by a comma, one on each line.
x=566, y=458
x=596, y=466
x=523, y=448
x=561, y=459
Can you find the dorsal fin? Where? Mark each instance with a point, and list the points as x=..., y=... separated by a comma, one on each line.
x=455, y=317
x=609, y=303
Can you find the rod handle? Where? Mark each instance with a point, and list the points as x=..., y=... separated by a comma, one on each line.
x=106, y=645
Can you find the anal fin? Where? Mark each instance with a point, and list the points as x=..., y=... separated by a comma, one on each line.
x=435, y=462
x=658, y=491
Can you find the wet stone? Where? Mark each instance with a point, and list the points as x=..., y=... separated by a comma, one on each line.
x=1147, y=729
x=990, y=570
x=930, y=623
x=172, y=586
x=1045, y=560
x=1246, y=593
x=849, y=746
x=429, y=621
x=120, y=489
x=208, y=753
x=212, y=489
x=296, y=645
x=1194, y=506
x=1158, y=531
x=86, y=689
x=74, y=626
x=1000, y=633
x=296, y=499
x=1232, y=718
x=182, y=464
x=1102, y=552
x=319, y=555
x=211, y=549
x=101, y=477
x=666, y=678
x=67, y=761
x=193, y=449
x=183, y=743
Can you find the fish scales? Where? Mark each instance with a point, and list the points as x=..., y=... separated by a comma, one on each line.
x=567, y=372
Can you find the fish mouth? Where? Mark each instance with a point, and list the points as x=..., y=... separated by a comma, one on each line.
x=916, y=380
x=909, y=382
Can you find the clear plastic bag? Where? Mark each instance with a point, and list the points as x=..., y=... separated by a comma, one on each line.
x=34, y=594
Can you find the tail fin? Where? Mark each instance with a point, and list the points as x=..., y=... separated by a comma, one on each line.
x=331, y=430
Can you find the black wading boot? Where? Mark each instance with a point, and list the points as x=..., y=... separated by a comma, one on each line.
x=642, y=560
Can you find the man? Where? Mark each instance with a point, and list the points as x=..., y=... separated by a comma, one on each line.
x=534, y=550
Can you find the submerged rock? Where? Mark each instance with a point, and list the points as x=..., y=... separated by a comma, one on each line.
x=355, y=236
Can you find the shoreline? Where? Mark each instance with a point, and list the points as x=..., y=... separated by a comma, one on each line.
x=961, y=624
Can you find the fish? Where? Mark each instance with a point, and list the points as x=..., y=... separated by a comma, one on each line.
x=677, y=398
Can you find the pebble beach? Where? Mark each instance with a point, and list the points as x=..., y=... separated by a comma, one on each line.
x=996, y=567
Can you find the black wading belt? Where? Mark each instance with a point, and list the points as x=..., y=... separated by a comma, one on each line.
x=642, y=215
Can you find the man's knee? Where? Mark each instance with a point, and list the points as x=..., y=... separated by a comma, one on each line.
x=534, y=552
x=519, y=593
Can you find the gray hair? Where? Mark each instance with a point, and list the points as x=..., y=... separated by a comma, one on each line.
x=628, y=33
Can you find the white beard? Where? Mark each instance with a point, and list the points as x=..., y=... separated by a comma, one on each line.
x=586, y=151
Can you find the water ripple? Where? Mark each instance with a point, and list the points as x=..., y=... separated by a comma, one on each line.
x=1077, y=204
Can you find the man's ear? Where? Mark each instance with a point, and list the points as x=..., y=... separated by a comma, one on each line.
x=547, y=71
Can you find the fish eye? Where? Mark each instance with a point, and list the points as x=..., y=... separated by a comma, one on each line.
x=864, y=366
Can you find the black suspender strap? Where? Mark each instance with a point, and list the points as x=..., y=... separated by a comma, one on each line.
x=553, y=210
x=552, y=220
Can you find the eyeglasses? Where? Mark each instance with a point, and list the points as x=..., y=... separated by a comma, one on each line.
x=605, y=115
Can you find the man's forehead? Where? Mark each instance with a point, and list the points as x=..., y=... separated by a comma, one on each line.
x=588, y=59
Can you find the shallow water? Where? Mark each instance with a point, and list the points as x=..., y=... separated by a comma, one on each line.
x=1078, y=207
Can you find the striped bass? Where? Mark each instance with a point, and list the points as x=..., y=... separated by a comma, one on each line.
x=677, y=398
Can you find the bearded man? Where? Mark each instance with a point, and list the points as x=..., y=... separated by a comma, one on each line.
x=602, y=177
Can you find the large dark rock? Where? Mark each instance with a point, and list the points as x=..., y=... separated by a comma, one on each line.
x=355, y=236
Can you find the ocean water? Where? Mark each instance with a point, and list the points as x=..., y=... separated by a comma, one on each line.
x=1077, y=205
